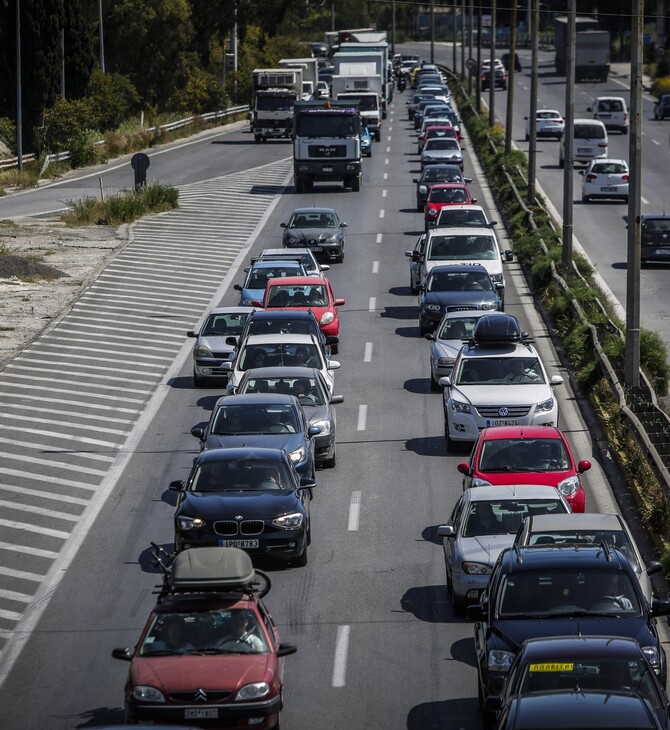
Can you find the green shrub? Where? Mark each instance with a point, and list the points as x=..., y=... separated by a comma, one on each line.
x=660, y=86
x=112, y=98
x=64, y=122
x=83, y=150
x=8, y=133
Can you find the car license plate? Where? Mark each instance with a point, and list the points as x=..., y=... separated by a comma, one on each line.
x=583, y=150
x=662, y=252
x=327, y=169
x=202, y=714
x=243, y=544
x=504, y=422
x=608, y=190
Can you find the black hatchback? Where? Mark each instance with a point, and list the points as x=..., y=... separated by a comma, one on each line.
x=536, y=592
x=655, y=238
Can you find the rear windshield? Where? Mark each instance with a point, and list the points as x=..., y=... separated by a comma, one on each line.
x=589, y=131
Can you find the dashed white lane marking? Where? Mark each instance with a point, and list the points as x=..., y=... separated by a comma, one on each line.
x=354, y=511
x=655, y=141
x=362, y=417
x=340, y=663
x=386, y=161
x=388, y=149
x=379, y=238
x=375, y=267
x=644, y=200
x=381, y=213
x=386, y=176
x=384, y=193
x=372, y=305
x=367, y=355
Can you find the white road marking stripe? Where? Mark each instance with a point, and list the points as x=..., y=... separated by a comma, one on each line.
x=341, y=649
x=34, y=408
x=13, y=615
x=26, y=527
x=656, y=142
x=388, y=149
x=386, y=176
x=375, y=267
x=372, y=305
x=14, y=596
x=60, y=423
x=52, y=462
x=38, y=493
x=72, y=382
x=384, y=192
x=386, y=161
x=39, y=511
x=23, y=574
x=354, y=511
x=27, y=550
x=362, y=417
x=367, y=355
x=78, y=367
x=644, y=200
x=79, y=391
x=58, y=435
x=21, y=474
x=379, y=237
x=382, y=213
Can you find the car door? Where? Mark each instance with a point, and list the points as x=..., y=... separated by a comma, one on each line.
x=417, y=267
x=455, y=522
x=472, y=461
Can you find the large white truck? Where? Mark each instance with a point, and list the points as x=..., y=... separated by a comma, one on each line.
x=358, y=82
x=381, y=46
x=310, y=73
x=275, y=91
x=326, y=144
x=592, y=49
x=341, y=64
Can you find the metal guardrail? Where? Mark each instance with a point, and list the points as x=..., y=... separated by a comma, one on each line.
x=170, y=126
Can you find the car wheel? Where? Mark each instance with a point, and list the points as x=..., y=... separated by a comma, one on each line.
x=299, y=185
x=457, y=605
x=197, y=380
x=585, y=199
x=422, y=329
x=334, y=349
x=356, y=183
x=413, y=287
x=257, y=138
x=330, y=463
x=451, y=444
x=301, y=560
x=340, y=258
x=419, y=207
x=561, y=162
x=434, y=385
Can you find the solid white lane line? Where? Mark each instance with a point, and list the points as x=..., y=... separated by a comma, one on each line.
x=340, y=663
x=372, y=305
x=379, y=238
x=375, y=267
x=362, y=417
x=367, y=355
x=354, y=511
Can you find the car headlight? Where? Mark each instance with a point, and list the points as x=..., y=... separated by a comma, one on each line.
x=146, y=693
x=289, y=522
x=323, y=425
x=459, y=407
x=651, y=652
x=292, y=239
x=298, y=454
x=545, y=406
x=434, y=307
x=444, y=362
x=489, y=305
x=190, y=523
x=568, y=486
x=476, y=568
x=423, y=189
x=499, y=661
x=203, y=351
x=327, y=318
x=479, y=482
x=330, y=239
x=252, y=691
x=497, y=277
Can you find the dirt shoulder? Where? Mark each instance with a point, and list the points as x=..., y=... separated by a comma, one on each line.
x=44, y=268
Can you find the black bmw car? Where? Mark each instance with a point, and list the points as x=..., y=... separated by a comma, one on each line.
x=248, y=498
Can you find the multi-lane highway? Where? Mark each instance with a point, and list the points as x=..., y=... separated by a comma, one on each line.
x=87, y=453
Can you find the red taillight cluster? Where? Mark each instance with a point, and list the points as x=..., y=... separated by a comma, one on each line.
x=625, y=178
x=591, y=177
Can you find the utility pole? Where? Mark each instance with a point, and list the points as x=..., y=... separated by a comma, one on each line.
x=102, y=37
x=392, y=29
x=632, y=358
x=532, y=112
x=568, y=141
x=19, y=104
x=510, y=82
x=453, y=32
x=432, y=31
x=479, y=57
x=62, y=63
x=471, y=15
x=492, y=86
x=463, y=38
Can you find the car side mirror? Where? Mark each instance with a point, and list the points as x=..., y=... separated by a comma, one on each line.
x=198, y=432
x=333, y=365
x=313, y=431
x=340, y=302
x=123, y=653
x=446, y=531
x=335, y=399
x=344, y=225
x=498, y=286
x=526, y=118
x=474, y=200
x=582, y=172
x=232, y=340
x=237, y=287
x=226, y=366
x=286, y=649
x=307, y=483
x=414, y=179
x=177, y=486
x=332, y=340
x=660, y=608
x=476, y=612
x=583, y=465
x=464, y=468
x=556, y=380
x=467, y=179
x=493, y=223
x=430, y=336
x=421, y=287
x=589, y=108
x=508, y=255
x=654, y=567
x=444, y=381
x=324, y=267
x=191, y=333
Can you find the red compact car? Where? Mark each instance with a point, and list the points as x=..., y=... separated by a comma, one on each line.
x=442, y=195
x=210, y=653
x=526, y=455
x=305, y=292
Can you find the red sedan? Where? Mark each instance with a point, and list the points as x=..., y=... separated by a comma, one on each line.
x=526, y=455
x=210, y=652
x=442, y=195
x=305, y=292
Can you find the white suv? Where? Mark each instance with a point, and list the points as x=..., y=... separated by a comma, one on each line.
x=498, y=379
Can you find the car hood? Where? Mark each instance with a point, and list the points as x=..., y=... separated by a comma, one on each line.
x=465, y=298
x=251, y=505
x=493, y=266
x=484, y=549
x=447, y=348
x=316, y=413
x=312, y=234
x=217, y=343
x=287, y=441
x=510, y=634
x=214, y=671
x=501, y=394
x=550, y=478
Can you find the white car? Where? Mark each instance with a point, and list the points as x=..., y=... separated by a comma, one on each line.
x=589, y=142
x=497, y=64
x=460, y=216
x=548, y=123
x=605, y=179
x=277, y=350
x=448, y=339
x=498, y=380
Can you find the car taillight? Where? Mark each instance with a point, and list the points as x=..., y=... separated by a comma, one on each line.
x=603, y=145
x=591, y=177
x=625, y=178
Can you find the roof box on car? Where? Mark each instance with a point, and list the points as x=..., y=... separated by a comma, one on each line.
x=497, y=330
x=210, y=568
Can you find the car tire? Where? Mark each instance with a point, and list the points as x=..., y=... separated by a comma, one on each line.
x=413, y=289
x=339, y=259
x=451, y=444
x=457, y=605
x=561, y=162
x=334, y=349
x=419, y=207
x=330, y=463
x=301, y=560
x=257, y=138
x=586, y=199
x=356, y=183
x=422, y=329
x=198, y=382
x=434, y=385
x=299, y=185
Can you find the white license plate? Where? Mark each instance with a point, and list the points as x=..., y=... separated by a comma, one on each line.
x=583, y=150
x=505, y=422
x=202, y=714
x=316, y=248
x=608, y=190
x=662, y=252
x=243, y=544
x=327, y=169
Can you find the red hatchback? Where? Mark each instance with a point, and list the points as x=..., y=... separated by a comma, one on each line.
x=305, y=292
x=442, y=195
x=210, y=653
x=526, y=455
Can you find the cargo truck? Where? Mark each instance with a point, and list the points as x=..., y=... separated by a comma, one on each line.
x=379, y=47
x=310, y=73
x=359, y=83
x=592, y=49
x=343, y=59
x=326, y=144
x=275, y=91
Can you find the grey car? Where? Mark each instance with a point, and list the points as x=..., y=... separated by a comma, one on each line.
x=482, y=524
x=211, y=349
x=442, y=149
x=318, y=229
x=308, y=385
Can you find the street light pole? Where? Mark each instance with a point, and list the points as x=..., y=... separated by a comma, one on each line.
x=568, y=139
x=462, y=38
x=432, y=31
x=19, y=113
x=492, y=85
x=532, y=112
x=510, y=81
x=392, y=28
x=471, y=15
x=102, y=38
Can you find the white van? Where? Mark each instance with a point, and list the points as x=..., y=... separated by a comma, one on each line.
x=612, y=112
x=589, y=142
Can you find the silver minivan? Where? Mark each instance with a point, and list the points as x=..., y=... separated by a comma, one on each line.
x=589, y=142
x=612, y=111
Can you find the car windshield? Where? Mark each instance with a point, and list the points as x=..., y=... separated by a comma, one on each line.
x=460, y=328
x=656, y=224
x=560, y=593
x=450, y=218
x=527, y=454
x=447, y=195
x=441, y=174
x=441, y=143
x=259, y=326
x=304, y=257
x=579, y=674
x=313, y=220
x=259, y=276
x=616, y=538
x=279, y=355
x=506, y=516
x=499, y=370
x=459, y=281
x=235, y=631
x=241, y=475
x=224, y=324
x=301, y=295
x=434, y=133
x=589, y=131
x=306, y=390
x=462, y=248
